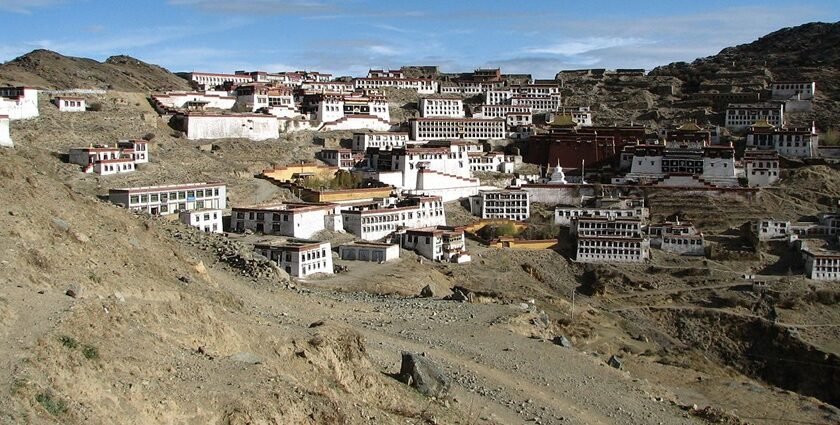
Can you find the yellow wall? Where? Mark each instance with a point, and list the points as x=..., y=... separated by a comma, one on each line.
x=524, y=244
x=480, y=224
x=286, y=173
x=345, y=195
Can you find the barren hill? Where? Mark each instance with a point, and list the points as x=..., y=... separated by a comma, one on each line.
x=809, y=52
x=51, y=70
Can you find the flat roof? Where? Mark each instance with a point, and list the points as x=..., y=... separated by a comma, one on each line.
x=162, y=188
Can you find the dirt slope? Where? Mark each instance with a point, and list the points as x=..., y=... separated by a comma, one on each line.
x=51, y=70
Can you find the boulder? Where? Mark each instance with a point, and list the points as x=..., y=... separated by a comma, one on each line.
x=427, y=292
x=420, y=373
x=562, y=341
x=615, y=362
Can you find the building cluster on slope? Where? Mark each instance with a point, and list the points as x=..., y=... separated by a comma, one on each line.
x=408, y=170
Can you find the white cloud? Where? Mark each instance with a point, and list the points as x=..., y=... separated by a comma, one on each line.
x=260, y=7
x=573, y=47
x=25, y=6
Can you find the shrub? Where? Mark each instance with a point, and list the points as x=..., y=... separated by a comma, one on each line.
x=149, y=136
x=95, y=106
x=52, y=405
x=69, y=342
x=90, y=352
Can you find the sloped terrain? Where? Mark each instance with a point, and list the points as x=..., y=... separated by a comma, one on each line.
x=51, y=70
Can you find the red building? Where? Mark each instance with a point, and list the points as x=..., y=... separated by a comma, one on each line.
x=569, y=145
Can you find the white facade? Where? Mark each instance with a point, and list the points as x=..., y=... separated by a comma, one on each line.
x=380, y=140
x=678, y=238
x=496, y=162
x=299, y=258
x=348, y=112
x=106, y=160
x=612, y=250
x=452, y=107
x=375, y=223
x=771, y=229
x=741, y=116
x=438, y=243
x=498, y=97
x=792, y=142
x=70, y=104
x=328, y=86
x=508, y=204
x=207, y=220
x=821, y=265
x=456, y=128
x=800, y=90
x=550, y=103
x=5, y=137
x=565, y=216
x=205, y=79
x=581, y=115
x=761, y=169
x=239, y=126
x=369, y=251
x=299, y=220
x=113, y=166
x=193, y=100
x=501, y=111
x=170, y=199
x=421, y=86
x=18, y=103
x=341, y=158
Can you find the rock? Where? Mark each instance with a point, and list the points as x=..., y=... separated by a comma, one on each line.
x=562, y=341
x=61, y=224
x=246, y=357
x=421, y=374
x=316, y=324
x=119, y=296
x=427, y=292
x=80, y=237
x=71, y=293
x=615, y=362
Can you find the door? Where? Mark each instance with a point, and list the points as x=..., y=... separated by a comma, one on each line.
x=377, y=256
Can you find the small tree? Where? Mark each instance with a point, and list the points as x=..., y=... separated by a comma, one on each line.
x=95, y=106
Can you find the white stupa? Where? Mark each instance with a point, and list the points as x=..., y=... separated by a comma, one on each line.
x=557, y=175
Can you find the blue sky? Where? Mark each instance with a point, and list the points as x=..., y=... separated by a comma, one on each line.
x=347, y=37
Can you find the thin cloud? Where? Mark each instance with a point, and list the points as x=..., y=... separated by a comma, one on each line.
x=260, y=7
x=25, y=7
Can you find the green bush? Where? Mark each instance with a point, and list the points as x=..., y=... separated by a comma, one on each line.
x=52, y=405
x=90, y=352
x=95, y=106
x=69, y=342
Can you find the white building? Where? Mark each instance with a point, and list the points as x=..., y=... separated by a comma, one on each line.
x=800, y=90
x=500, y=111
x=232, y=126
x=106, y=160
x=442, y=106
x=494, y=162
x=170, y=199
x=820, y=264
x=374, y=223
x=18, y=103
x=420, y=85
x=498, y=97
x=741, y=116
x=614, y=227
x=275, y=100
x=771, y=229
x=208, y=219
x=204, y=80
x=5, y=137
x=299, y=258
x=612, y=250
x=166, y=103
x=552, y=103
x=792, y=142
x=508, y=204
x=603, y=208
x=674, y=164
x=299, y=220
x=539, y=89
x=329, y=86
x=381, y=73
x=70, y=104
x=341, y=158
x=761, y=167
x=456, y=128
x=678, y=238
x=384, y=140
x=369, y=251
x=437, y=243
x=582, y=115
x=349, y=112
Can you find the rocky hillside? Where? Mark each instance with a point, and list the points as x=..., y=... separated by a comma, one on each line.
x=47, y=69
x=808, y=52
